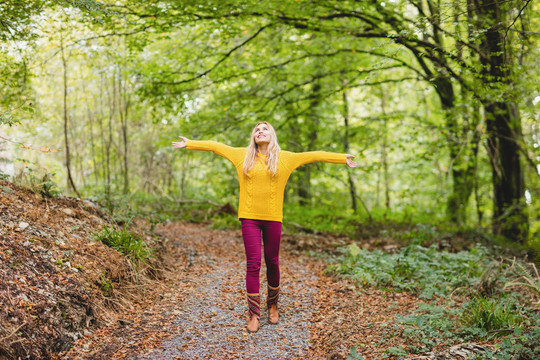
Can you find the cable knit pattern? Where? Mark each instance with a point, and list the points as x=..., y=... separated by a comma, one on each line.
x=261, y=194
x=273, y=195
x=249, y=188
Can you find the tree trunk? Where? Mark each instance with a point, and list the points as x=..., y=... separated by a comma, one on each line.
x=304, y=188
x=384, y=152
x=109, y=143
x=461, y=169
x=102, y=130
x=124, y=110
x=503, y=126
x=70, y=182
x=92, y=144
x=346, y=148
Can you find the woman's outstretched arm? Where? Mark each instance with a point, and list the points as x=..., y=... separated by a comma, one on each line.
x=295, y=160
x=234, y=155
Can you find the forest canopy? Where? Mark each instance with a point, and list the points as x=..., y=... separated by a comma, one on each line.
x=438, y=100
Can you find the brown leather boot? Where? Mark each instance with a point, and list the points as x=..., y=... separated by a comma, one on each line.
x=254, y=304
x=271, y=304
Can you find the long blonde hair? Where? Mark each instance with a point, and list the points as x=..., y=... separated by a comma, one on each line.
x=272, y=155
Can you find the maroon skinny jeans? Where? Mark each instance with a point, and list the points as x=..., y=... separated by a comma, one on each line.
x=252, y=230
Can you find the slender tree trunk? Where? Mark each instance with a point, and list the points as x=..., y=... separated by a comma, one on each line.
x=461, y=170
x=124, y=110
x=346, y=148
x=304, y=188
x=70, y=182
x=92, y=144
x=102, y=130
x=476, y=142
x=384, y=150
x=109, y=143
x=459, y=146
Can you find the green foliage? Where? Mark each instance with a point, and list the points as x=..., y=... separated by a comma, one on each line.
x=321, y=218
x=6, y=117
x=106, y=286
x=406, y=225
x=430, y=326
x=481, y=319
x=354, y=355
x=534, y=247
x=490, y=316
x=395, y=351
x=421, y=234
x=224, y=222
x=521, y=344
x=125, y=242
x=426, y=271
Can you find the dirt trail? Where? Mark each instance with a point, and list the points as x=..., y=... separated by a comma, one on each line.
x=202, y=313
x=213, y=318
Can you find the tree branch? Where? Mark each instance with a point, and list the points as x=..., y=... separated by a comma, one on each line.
x=306, y=56
x=517, y=17
x=206, y=72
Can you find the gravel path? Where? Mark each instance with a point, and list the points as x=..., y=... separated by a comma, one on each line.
x=212, y=319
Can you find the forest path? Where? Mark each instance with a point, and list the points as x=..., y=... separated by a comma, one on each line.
x=213, y=317
x=201, y=313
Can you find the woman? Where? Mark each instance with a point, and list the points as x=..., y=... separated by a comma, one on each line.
x=263, y=170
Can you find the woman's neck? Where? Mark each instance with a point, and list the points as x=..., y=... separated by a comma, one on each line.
x=262, y=148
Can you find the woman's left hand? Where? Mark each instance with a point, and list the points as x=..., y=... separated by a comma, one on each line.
x=350, y=161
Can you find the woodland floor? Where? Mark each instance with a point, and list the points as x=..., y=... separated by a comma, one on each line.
x=202, y=313
x=52, y=295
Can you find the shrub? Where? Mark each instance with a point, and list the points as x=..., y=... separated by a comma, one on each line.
x=489, y=317
x=124, y=241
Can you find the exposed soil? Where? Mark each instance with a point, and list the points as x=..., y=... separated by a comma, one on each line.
x=56, y=283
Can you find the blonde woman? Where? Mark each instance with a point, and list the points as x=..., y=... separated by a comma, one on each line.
x=263, y=170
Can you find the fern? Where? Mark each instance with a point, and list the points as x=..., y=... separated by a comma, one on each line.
x=526, y=278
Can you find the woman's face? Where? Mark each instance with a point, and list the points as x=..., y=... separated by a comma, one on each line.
x=262, y=134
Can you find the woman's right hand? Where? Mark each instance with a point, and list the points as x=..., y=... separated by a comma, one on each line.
x=180, y=144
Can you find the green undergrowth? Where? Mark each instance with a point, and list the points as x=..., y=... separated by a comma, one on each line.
x=126, y=242
x=344, y=221
x=402, y=228
x=157, y=210
x=422, y=270
x=468, y=295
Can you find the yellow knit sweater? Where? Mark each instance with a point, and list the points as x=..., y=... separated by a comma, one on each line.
x=261, y=194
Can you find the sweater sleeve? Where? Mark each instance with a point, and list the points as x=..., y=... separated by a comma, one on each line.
x=233, y=154
x=295, y=160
